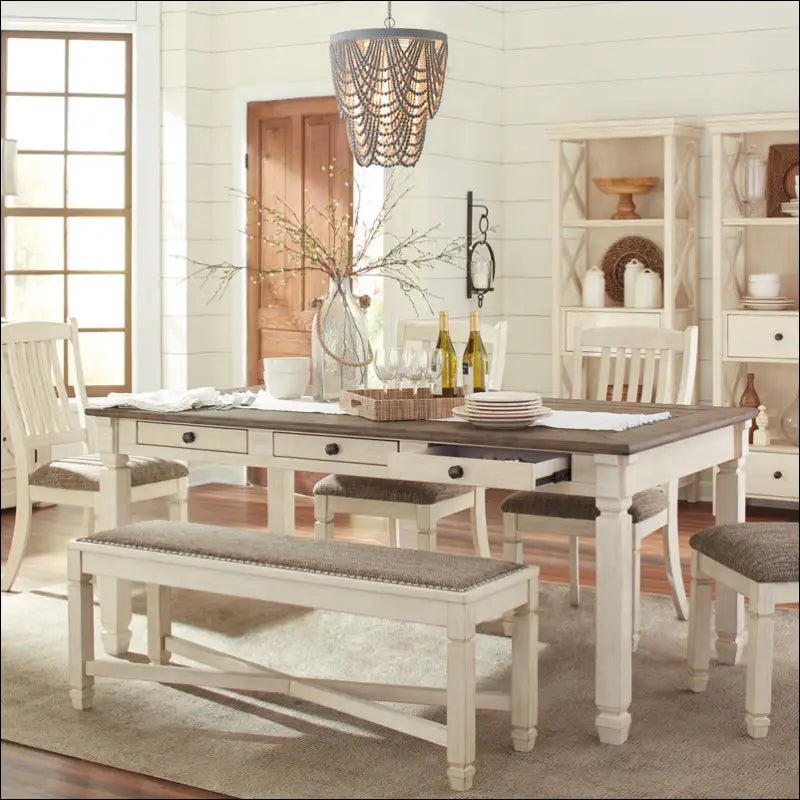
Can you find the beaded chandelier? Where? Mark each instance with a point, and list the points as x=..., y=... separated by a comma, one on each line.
x=388, y=83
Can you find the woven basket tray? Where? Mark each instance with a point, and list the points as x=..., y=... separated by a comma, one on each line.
x=398, y=404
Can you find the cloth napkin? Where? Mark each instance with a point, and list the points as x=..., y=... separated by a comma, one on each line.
x=264, y=401
x=598, y=420
x=161, y=400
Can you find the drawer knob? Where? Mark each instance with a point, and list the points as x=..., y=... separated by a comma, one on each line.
x=777, y=475
x=456, y=472
x=332, y=449
x=778, y=337
x=188, y=437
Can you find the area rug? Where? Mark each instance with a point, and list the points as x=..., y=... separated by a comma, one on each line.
x=268, y=746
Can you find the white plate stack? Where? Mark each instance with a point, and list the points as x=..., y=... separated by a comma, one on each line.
x=502, y=409
x=790, y=208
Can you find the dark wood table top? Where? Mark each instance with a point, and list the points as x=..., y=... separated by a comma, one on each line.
x=685, y=421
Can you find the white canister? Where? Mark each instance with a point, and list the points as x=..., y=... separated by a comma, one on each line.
x=632, y=271
x=594, y=288
x=647, y=293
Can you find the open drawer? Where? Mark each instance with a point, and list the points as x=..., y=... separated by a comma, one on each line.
x=480, y=466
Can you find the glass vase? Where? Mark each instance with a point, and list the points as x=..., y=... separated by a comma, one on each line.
x=340, y=349
x=789, y=422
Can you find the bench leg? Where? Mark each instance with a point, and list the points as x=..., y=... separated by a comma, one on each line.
x=159, y=623
x=426, y=530
x=460, y=700
x=525, y=673
x=760, y=640
x=699, y=648
x=323, y=518
x=115, y=614
x=81, y=633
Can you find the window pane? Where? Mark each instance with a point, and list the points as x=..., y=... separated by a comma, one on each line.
x=41, y=182
x=37, y=123
x=85, y=56
x=96, y=123
x=35, y=65
x=35, y=297
x=95, y=181
x=102, y=358
x=34, y=243
x=97, y=301
x=96, y=243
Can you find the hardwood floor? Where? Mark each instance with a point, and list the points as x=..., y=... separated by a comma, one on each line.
x=28, y=773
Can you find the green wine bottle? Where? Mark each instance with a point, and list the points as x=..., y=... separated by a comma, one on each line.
x=446, y=382
x=475, y=363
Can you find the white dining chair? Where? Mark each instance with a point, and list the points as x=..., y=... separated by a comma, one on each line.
x=634, y=365
x=422, y=503
x=39, y=416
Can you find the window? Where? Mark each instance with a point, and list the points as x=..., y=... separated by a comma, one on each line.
x=67, y=232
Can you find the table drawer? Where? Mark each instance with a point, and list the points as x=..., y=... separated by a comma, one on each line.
x=772, y=475
x=192, y=437
x=341, y=449
x=762, y=336
x=480, y=466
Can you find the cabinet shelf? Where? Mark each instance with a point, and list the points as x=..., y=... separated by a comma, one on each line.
x=655, y=222
x=760, y=222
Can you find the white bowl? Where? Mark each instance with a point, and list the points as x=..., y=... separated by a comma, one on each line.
x=764, y=277
x=286, y=378
x=763, y=290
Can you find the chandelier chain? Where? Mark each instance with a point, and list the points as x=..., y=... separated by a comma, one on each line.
x=389, y=21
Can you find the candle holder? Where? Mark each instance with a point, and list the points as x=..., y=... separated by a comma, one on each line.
x=480, y=256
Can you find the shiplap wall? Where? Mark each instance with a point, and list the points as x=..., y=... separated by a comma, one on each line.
x=577, y=61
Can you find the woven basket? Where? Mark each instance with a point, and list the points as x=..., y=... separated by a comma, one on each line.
x=398, y=404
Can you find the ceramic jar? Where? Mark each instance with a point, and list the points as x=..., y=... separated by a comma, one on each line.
x=632, y=271
x=594, y=288
x=647, y=292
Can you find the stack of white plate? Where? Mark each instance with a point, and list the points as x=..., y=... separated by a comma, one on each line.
x=768, y=303
x=790, y=208
x=502, y=409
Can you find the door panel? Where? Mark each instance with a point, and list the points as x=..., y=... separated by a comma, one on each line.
x=290, y=145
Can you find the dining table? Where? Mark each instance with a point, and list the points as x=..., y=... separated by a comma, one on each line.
x=617, y=465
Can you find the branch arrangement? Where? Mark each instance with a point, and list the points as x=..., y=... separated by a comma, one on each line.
x=337, y=242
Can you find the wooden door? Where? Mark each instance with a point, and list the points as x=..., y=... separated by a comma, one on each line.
x=290, y=145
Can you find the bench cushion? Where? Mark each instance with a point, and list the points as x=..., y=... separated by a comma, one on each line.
x=391, y=491
x=83, y=472
x=345, y=559
x=765, y=552
x=644, y=505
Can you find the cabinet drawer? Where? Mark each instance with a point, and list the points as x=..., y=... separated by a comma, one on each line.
x=772, y=475
x=479, y=466
x=192, y=437
x=332, y=448
x=762, y=336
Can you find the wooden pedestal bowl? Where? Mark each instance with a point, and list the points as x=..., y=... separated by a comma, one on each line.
x=625, y=188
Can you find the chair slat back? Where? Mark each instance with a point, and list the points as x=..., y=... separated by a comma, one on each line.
x=636, y=364
x=494, y=336
x=35, y=399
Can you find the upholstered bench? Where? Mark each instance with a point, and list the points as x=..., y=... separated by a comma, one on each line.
x=454, y=592
x=757, y=560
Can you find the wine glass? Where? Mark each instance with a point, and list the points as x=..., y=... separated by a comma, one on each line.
x=414, y=366
x=435, y=367
x=386, y=363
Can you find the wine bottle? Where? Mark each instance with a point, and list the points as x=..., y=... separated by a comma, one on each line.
x=475, y=363
x=446, y=382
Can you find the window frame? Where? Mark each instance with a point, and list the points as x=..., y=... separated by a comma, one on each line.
x=64, y=212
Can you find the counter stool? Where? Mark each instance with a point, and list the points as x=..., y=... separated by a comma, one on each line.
x=757, y=560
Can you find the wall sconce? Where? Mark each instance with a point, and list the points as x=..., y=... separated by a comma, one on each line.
x=8, y=168
x=480, y=256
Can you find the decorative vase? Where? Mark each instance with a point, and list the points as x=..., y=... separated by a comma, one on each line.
x=789, y=422
x=750, y=399
x=340, y=349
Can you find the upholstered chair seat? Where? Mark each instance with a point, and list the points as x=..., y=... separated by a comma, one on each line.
x=389, y=491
